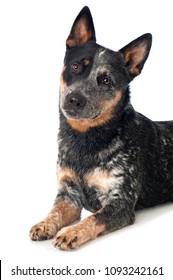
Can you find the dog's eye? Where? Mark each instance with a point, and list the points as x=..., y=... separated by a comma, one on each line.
x=106, y=81
x=76, y=68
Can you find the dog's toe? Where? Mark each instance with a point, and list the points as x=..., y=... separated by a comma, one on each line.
x=42, y=231
x=67, y=239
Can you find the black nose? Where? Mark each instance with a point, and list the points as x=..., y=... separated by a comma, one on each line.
x=76, y=101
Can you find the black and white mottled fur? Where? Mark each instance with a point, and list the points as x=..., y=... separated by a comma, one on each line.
x=112, y=160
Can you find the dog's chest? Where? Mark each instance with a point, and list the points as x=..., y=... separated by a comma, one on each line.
x=86, y=158
x=100, y=175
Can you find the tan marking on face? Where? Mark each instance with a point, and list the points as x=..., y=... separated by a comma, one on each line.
x=62, y=82
x=100, y=178
x=78, y=234
x=81, y=36
x=83, y=125
x=86, y=61
x=103, y=70
x=62, y=214
x=64, y=174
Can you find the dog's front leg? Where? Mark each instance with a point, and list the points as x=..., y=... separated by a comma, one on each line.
x=112, y=216
x=66, y=210
x=62, y=214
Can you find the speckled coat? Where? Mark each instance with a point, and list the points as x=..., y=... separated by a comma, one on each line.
x=112, y=160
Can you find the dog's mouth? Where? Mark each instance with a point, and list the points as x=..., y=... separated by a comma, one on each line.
x=72, y=114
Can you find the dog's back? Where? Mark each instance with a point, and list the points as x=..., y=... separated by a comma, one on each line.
x=153, y=145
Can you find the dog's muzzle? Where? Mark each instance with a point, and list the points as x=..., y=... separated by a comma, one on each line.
x=74, y=104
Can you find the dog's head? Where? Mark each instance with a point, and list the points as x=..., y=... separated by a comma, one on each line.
x=95, y=79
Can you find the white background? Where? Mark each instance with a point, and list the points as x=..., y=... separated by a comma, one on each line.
x=32, y=36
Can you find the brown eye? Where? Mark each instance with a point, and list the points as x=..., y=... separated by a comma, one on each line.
x=106, y=81
x=76, y=68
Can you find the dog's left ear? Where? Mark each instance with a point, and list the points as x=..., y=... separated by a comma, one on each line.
x=82, y=30
x=136, y=53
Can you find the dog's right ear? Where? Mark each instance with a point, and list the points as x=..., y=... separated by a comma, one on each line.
x=82, y=30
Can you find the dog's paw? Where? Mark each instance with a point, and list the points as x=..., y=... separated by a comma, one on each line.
x=68, y=238
x=43, y=230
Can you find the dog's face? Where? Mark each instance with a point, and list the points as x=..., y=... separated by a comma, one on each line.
x=94, y=79
x=91, y=81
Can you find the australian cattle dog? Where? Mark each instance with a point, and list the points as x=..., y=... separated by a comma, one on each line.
x=112, y=160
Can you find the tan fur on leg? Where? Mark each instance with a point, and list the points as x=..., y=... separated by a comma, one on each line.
x=61, y=215
x=73, y=236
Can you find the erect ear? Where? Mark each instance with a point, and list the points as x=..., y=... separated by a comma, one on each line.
x=82, y=30
x=136, y=53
